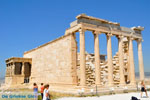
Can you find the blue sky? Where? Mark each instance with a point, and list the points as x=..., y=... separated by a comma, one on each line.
x=26, y=24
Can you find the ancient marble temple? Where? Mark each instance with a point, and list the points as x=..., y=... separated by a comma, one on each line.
x=59, y=64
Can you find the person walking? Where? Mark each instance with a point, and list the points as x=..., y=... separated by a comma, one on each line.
x=143, y=89
x=35, y=91
x=42, y=89
x=46, y=95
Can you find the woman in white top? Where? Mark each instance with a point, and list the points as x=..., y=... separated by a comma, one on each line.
x=46, y=95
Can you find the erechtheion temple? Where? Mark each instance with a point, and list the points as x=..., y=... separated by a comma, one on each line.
x=59, y=64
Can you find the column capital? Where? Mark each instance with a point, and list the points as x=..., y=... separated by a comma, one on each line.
x=13, y=63
x=96, y=32
x=82, y=30
x=139, y=40
x=109, y=34
x=131, y=38
x=120, y=36
x=72, y=32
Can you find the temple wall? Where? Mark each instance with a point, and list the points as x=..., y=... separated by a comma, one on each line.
x=54, y=62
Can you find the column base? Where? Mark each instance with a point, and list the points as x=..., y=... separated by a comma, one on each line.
x=133, y=84
x=82, y=86
x=98, y=85
x=142, y=80
x=110, y=84
x=122, y=84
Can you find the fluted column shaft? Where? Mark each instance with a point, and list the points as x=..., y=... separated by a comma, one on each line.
x=140, y=57
x=121, y=62
x=109, y=58
x=82, y=57
x=97, y=58
x=131, y=62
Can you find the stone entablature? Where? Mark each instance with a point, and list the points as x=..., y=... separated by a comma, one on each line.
x=103, y=26
x=17, y=59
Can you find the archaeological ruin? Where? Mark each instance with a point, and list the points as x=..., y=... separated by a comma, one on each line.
x=59, y=64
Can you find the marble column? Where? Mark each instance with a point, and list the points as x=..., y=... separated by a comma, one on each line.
x=140, y=57
x=109, y=59
x=131, y=62
x=82, y=57
x=23, y=67
x=121, y=61
x=97, y=58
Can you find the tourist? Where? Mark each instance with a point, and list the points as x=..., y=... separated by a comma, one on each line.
x=46, y=95
x=42, y=89
x=143, y=89
x=35, y=91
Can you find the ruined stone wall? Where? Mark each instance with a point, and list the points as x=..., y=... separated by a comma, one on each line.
x=54, y=62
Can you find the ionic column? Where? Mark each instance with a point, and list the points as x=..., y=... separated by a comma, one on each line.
x=121, y=61
x=82, y=57
x=140, y=57
x=97, y=58
x=22, y=71
x=109, y=58
x=131, y=62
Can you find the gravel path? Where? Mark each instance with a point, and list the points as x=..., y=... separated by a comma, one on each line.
x=126, y=96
